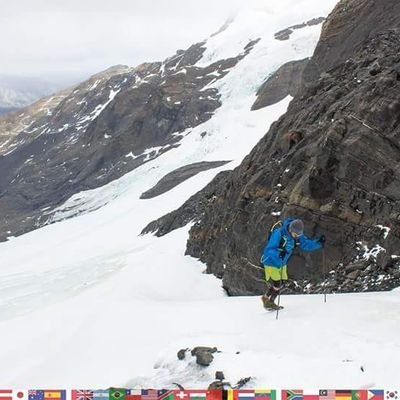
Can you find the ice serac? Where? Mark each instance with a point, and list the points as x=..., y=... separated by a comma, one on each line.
x=287, y=80
x=95, y=133
x=332, y=160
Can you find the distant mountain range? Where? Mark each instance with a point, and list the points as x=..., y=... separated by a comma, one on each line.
x=17, y=92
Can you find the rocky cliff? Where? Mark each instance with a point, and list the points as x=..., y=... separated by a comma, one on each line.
x=332, y=160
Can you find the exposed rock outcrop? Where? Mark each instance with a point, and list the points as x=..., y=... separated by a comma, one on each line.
x=285, y=34
x=331, y=160
x=191, y=210
x=351, y=23
x=180, y=175
x=287, y=80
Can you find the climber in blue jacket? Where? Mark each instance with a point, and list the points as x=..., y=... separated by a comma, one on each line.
x=284, y=237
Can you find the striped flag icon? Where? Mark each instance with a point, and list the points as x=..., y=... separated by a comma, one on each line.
x=149, y=394
x=101, y=394
x=244, y=394
x=6, y=394
x=55, y=394
x=198, y=395
x=265, y=394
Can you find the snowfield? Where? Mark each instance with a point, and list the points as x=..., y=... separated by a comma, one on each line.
x=120, y=319
x=86, y=302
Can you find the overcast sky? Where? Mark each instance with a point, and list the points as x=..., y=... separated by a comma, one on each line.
x=80, y=37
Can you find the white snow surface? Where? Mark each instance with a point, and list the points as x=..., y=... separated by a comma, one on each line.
x=86, y=302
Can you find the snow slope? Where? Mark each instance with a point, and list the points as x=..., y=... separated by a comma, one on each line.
x=87, y=302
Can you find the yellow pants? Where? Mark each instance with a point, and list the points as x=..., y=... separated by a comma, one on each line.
x=275, y=273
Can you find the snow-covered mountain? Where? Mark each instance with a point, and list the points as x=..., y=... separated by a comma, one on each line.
x=124, y=117
x=17, y=92
x=85, y=300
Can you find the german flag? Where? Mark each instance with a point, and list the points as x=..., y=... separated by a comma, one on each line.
x=343, y=394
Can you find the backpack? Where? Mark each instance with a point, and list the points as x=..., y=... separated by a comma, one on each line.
x=282, y=243
x=278, y=225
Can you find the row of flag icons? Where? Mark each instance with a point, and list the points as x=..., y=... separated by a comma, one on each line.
x=198, y=394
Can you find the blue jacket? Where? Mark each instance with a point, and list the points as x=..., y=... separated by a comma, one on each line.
x=280, y=245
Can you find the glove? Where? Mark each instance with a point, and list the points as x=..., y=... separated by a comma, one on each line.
x=282, y=254
x=322, y=240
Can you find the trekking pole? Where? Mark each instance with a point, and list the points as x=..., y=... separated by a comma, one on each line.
x=324, y=272
x=279, y=296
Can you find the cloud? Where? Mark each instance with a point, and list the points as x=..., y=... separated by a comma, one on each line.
x=43, y=36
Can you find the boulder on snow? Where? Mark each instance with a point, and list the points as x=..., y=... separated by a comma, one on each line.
x=219, y=375
x=200, y=349
x=182, y=354
x=204, y=358
x=204, y=355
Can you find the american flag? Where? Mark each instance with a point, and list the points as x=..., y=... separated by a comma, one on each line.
x=149, y=394
x=82, y=394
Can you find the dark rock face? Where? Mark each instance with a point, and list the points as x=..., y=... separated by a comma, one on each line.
x=99, y=131
x=287, y=80
x=178, y=176
x=331, y=160
x=349, y=25
x=191, y=210
x=286, y=33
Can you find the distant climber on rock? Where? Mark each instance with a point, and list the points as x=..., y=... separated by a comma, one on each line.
x=284, y=237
